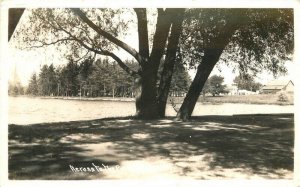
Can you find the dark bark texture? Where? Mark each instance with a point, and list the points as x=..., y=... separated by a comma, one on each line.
x=149, y=107
x=211, y=56
x=210, y=59
x=166, y=76
x=14, y=16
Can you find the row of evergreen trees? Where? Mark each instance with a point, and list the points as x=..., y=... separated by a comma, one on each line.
x=15, y=88
x=94, y=78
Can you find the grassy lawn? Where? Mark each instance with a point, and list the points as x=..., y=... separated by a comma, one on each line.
x=206, y=147
x=248, y=99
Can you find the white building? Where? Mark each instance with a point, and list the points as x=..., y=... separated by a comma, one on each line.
x=232, y=89
x=279, y=86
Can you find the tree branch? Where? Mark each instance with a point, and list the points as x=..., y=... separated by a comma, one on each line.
x=121, y=64
x=80, y=58
x=86, y=33
x=142, y=32
x=161, y=34
x=105, y=53
x=172, y=48
x=43, y=44
x=57, y=26
x=107, y=35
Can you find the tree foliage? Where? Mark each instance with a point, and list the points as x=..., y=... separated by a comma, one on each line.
x=180, y=79
x=215, y=85
x=62, y=28
x=247, y=83
x=262, y=39
x=33, y=85
x=265, y=43
x=251, y=40
x=15, y=89
x=93, y=78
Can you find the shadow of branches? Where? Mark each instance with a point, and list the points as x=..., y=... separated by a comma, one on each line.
x=205, y=147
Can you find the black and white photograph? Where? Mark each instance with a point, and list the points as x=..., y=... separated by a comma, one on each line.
x=149, y=93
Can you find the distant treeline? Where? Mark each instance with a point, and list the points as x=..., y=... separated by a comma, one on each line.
x=91, y=78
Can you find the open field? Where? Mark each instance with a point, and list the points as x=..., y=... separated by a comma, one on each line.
x=207, y=147
x=269, y=99
x=24, y=110
x=249, y=99
x=244, y=99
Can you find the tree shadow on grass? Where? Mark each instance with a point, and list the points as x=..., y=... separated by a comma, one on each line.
x=206, y=147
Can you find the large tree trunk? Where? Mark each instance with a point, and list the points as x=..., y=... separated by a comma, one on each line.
x=211, y=57
x=13, y=19
x=212, y=54
x=166, y=76
x=145, y=85
x=146, y=103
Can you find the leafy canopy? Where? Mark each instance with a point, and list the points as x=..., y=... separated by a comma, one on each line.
x=263, y=39
x=214, y=85
x=71, y=36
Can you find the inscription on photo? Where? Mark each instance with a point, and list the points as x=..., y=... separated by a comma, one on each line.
x=93, y=168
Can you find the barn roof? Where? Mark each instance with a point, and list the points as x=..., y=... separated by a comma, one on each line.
x=276, y=84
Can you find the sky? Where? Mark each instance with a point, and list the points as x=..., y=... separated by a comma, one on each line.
x=27, y=62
